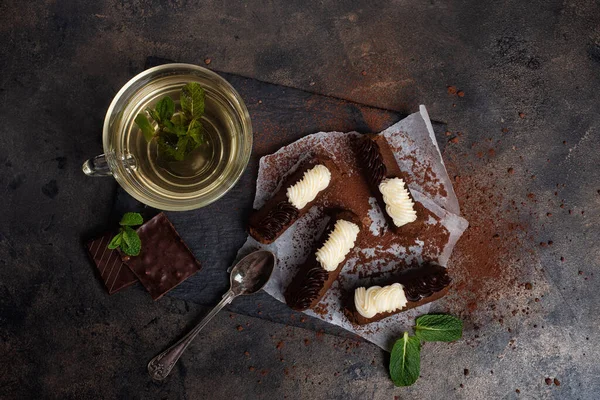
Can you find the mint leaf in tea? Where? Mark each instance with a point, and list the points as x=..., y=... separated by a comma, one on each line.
x=177, y=132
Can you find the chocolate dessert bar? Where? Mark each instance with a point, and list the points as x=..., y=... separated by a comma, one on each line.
x=115, y=274
x=387, y=182
x=419, y=286
x=164, y=260
x=325, y=262
x=295, y=197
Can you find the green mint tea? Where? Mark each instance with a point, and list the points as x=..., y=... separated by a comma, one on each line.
x=182, y=140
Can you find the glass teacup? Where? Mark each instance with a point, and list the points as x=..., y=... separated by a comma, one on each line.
x=204, y=175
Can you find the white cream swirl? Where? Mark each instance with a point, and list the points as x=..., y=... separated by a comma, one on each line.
x=306, y=189
x=338, y=245
x=398, y=203
x=377, y=299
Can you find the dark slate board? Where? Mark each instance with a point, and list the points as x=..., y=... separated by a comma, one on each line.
x=280, y=115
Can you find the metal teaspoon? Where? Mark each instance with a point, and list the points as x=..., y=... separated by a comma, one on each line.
x=248, y=276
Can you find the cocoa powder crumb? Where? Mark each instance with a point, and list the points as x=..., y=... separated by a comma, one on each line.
x=522, y=115
x=549, y=214
x=460, y=93
x=251, y=368
x=279, y=346
x=452, y=90
x=247, y=353
x=207, y=61
x=240, y=328
x=511, y=170
x=306, y=342
x=363, y=73
x=504, y=130
x=448, y=133
x=454, y=139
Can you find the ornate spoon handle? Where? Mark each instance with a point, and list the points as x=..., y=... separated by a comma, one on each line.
x=161, y=365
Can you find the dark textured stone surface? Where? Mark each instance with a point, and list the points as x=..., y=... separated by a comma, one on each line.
x=62, y=337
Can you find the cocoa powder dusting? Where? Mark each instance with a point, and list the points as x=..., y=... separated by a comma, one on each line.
x=493, y=265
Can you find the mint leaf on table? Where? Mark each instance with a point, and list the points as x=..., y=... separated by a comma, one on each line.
x=438, y=328
x=133, y=244
x=116, y=241
x=165, y=108
x=131, y=219
x=405, y=360
x=192, y=100
x=142, y=122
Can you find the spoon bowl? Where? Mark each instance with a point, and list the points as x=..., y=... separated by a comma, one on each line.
x=252, y=272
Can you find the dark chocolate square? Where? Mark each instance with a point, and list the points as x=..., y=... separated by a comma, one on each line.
x=164, y=261
x=114, y=272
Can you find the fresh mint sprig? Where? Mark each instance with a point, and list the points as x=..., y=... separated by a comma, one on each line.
x=405, y=360
x=177, y=133
x=127, y=239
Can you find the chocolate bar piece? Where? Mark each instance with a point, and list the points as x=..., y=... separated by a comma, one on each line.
x=164, y=260
x=421, y=285
x=278, y=214
x=114, y=272
x=312, y=281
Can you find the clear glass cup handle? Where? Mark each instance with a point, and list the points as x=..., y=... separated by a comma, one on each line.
x=97, y=166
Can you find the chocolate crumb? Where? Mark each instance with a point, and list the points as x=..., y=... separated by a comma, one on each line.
x=556, y=382
x=306, y=342
x=562, y=259
x=363, y=73
x=460, y=93
x=511, y=170
x=517, y=391
x=466, y=372
x=528, y=286
x=461, y=385
x=240, y=328
x=207, y=61
x=454, y=139
x=452, y=90
x=549, y=214
x=279, y=346
x=522, y=115
x=548, y=381
x=448, y=133
x=251, y=368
